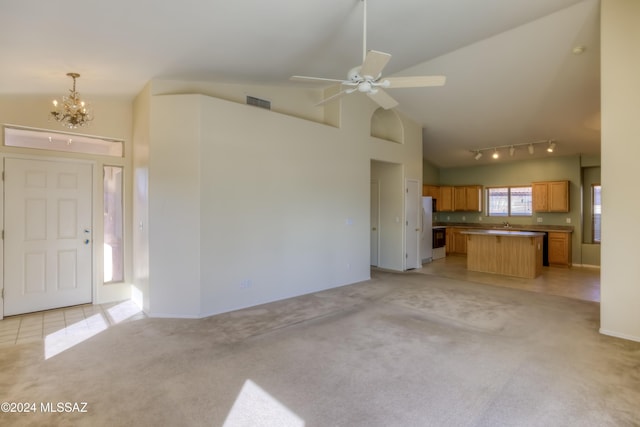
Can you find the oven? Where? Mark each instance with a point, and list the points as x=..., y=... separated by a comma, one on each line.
x=439, y=242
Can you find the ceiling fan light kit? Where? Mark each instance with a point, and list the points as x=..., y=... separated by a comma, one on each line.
x=367, y=78
x=477, y=153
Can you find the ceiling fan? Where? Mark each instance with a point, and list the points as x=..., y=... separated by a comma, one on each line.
x=367, y=78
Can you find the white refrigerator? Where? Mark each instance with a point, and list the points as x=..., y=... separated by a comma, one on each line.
x=426, y=233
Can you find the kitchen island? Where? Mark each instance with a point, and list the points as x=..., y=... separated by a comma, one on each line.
x=507, y=252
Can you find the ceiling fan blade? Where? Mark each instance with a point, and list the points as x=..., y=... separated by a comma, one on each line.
x=383, y=99
x=415, y=81
x=306, y=79
x=333, y=97
x=373, y=63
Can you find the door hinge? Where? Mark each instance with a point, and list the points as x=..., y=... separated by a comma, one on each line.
x=2, y=297
x=2, y=234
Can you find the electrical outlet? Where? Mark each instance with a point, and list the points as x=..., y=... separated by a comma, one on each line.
x=480, y=218
x=245, y=284
x=448, y=218
x=464, y=218
x=539, y=219
x=568, y=220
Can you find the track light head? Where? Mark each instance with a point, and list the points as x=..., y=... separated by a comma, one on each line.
x=530, y=148
x=551, y=147
x=512, y=150
x=495, y=154
x=478, y=155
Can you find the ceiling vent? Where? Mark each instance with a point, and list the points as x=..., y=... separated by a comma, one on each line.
x=262, y=103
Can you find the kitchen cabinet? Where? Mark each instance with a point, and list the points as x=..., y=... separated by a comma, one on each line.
x=559, y=245
x=550, y=196
x=456, y=241
x=445, y=202
x=431, y=191
x=511, y=253
x=468, y=198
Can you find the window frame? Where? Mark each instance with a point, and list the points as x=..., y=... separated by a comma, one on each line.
x=509, y=204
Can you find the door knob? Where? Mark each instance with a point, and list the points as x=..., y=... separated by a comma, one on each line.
x=86, y=241
x=374, y=229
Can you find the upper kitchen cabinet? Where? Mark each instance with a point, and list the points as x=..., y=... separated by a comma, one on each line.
x=445, y=202
x=550, y=196
x=468, y=198
x=431, y=191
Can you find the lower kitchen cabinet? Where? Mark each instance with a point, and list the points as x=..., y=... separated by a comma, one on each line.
x=456, y=241
x=559, y=249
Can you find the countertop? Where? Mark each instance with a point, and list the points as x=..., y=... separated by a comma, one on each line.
x=513, y=227
x=510, y=233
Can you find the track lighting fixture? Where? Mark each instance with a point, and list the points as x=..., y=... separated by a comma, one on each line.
x=477, y=153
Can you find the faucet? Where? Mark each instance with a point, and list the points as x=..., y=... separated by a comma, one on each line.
x=506, y=224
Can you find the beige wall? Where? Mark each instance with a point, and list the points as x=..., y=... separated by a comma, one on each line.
x=248, y=205
x=620, y=284
x=140, y=196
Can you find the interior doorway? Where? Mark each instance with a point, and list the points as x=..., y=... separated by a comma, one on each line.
x=389, y=213
x=375, y=221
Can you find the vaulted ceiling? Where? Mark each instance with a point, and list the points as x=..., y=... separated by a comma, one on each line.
x=512, y=76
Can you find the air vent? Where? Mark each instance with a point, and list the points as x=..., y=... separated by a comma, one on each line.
x=262, y=103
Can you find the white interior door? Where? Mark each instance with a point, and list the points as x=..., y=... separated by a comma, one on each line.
x=412, y=222
x=375, y=221
x=47, y=235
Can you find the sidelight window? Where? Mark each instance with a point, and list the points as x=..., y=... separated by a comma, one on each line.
x=113, y=225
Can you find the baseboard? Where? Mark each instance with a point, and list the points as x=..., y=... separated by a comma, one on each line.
x=619, y=335
x=587, y=266
x=171, y=316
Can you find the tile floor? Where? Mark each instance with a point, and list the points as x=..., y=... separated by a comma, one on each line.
x=577, y=282
x=78, y=320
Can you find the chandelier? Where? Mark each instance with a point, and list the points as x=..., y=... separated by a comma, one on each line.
x=72, y=112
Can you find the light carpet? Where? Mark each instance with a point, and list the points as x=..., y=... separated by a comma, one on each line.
x=402, y=349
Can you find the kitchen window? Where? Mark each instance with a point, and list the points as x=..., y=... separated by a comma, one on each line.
x=509, y=201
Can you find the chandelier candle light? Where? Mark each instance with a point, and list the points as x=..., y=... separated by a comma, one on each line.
x=72, y=112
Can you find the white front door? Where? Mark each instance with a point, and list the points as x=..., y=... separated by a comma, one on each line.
x=47, y=235
x=412, y=222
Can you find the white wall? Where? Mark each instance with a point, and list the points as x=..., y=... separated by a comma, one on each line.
x=140, y=195
x=248, y=205
x=620, y=275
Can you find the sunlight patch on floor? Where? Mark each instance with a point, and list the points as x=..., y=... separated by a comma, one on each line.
x=254, y=407
x=72, y=335
x=123, y=311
